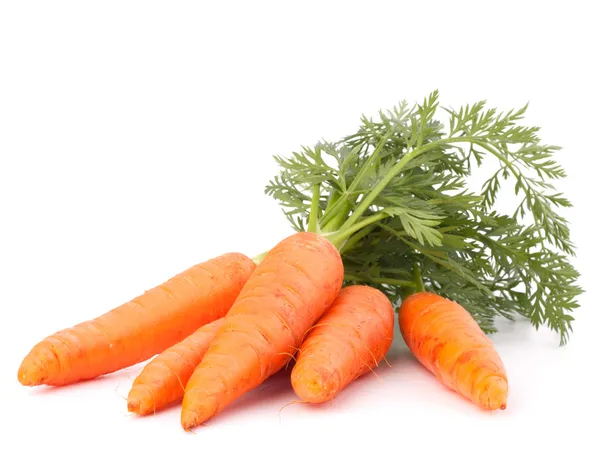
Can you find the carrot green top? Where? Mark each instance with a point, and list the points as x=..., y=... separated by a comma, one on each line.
x=396, y=199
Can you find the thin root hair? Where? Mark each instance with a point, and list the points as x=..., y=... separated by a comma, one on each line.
x=313, y=327
x=366, y=364
x=117, y=392
x=293, y=402
x=179, y=380
x=386, y=361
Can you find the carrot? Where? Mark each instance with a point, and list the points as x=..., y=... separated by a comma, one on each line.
x=288, y=292
x=448, y=342
x=163, y=380
x=140, y=328
x=348, y=341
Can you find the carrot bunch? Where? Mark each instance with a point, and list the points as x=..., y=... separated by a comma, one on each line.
x=382, y=218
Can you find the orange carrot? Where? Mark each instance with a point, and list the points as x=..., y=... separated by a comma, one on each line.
x=288, y=292
x=141, y=328
x=348, y=341
x=163, y=380
x=449, y=343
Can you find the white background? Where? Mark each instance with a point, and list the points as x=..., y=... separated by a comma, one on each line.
x=136, y=139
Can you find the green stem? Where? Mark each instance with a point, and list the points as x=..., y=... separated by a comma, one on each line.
x=258, y=258
x=499, y=155
x=394, y=271
x=314, y=209
x=338, y=238
x=375, y=192
x=330, y=222
x=334, y=210
x=380, y=280
x=355, y=239
x=333, y=198
x=342, y=205
x=337, y=220
x=364, y=170
x=417, y=278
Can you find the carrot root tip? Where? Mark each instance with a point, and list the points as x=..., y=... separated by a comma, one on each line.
x=31, y=374
x=133, y=407
x=140, y=401
x=189, y=419
x=495, y=390
x=315, y=385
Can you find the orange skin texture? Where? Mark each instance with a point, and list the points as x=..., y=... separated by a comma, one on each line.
x=140, y=328
x=448, y=342
x=348, y=341
x=163, y=380
x=287, y=293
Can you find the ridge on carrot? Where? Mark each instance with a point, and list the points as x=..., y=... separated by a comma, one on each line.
x=395, y=194
x=140, y=328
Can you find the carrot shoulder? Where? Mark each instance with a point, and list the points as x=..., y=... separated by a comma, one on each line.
x=140, y=328
x=449, y=343
x=348, y=341
x=288, y=292
x=163, y=379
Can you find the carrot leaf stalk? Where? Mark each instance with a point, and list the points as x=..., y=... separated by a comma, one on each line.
x=399, y=192
x=418, y=279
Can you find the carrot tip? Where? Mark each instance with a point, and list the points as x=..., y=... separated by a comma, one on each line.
x=134, y=406
x=140, y=401
x=30, y=374
x=189, y=419
x=495, y=390
x=315, y=385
